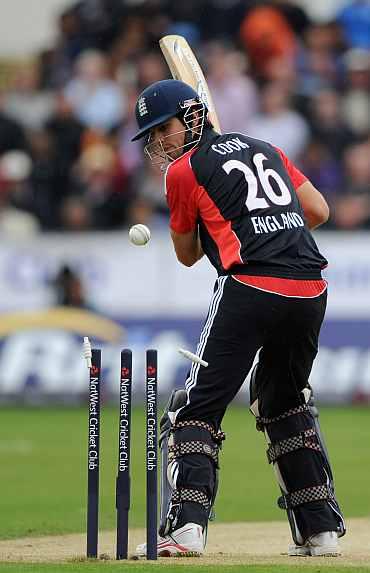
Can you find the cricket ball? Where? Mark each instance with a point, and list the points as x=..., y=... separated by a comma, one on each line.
x=139, y=235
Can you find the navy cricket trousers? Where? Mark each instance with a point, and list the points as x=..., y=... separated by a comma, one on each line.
x=241, y=321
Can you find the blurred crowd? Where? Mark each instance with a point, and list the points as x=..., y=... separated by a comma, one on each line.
x=275, y=73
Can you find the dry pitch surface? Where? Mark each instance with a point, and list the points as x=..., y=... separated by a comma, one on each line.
x=229, y=543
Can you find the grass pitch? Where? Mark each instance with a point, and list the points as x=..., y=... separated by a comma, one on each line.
x=43, y=474
x=43, y=485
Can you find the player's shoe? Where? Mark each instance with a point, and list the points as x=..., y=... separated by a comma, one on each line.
x=187, y=541
x=323, y=544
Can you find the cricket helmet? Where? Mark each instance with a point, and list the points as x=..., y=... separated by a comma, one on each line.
x=161, y=101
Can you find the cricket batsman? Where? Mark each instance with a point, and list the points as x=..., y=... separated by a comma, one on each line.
x=242, y=203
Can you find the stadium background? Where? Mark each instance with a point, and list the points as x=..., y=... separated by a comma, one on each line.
x=71, y=183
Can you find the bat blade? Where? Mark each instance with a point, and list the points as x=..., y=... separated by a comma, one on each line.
x=184, y=66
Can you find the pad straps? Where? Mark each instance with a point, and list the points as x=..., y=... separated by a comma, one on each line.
x=306, y=495
x=176, y=450
x=218, y=437
x=306, y=439
x=188, y=494
x=262, y=422
x=194, y=447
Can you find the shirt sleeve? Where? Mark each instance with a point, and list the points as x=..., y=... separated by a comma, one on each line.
x=295, y=174
x=181, y=189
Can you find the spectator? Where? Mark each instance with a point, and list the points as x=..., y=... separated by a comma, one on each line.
x=295, y=15
x=321, y=12
x=318, y=62
x=12, y=135
x=190, y=13
x=96, y=99
x=58, y=65
x=150, y=204
x=278, y=123
x=25, y=102
x=234, y=94
x=100, y=21
x=131, y=43
x=355, y=22
x=69, y=289
x=357, y=167
x=220, y=19
x=150, y=67
x=101, y=184
x=323, y=169
x=131, y=153
x=66, y=131
x=266, y=35
x=282, y=71
x=75, y=214
x=81, y=93
x=352, y=211
x=356, y=99
x=328, y=123
x=49, y=180
x=15, y=171
x=189, y=31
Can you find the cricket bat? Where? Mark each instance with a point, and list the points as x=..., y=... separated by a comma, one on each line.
x=184, y=66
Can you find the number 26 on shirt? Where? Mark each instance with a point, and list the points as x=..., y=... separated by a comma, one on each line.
x=264, y=175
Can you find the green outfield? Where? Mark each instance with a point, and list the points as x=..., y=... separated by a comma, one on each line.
x=43, y=480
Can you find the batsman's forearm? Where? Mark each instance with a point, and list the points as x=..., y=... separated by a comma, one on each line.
x=187, y=247
x=190, y=258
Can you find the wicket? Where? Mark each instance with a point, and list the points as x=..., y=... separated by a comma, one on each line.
x=124, y=448
x=124, y=444
x=151, y=455
x=93, y=455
